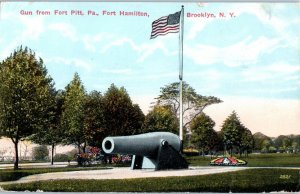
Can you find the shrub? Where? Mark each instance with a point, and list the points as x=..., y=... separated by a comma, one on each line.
x=61, y=158
x=40, y=152
x=12, y=175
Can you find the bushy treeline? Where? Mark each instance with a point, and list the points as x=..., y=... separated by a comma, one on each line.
x=234, y=137
x=32, y=108
x=282, y=143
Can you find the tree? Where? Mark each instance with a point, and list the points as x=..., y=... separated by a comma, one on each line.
x=40, y=152
x=295, y=143
x=259, y=138
x=278, y=142
x=52, y=134
x=120, y=113
x=247, y=141
x=220, y=144
x=73, y=113
x=285, y=143
x=94, y=119
x=138, y=116
x=232, y=130
x=203, y=134
x=193, y=103
x=295, y=146
x=266, y=144
x=160, y=118
x=25, y=97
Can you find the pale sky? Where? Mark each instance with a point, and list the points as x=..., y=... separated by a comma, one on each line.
x=250, y=61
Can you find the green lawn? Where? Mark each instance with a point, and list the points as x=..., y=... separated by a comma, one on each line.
x=11, y=175
x=256, y=160
x=252, y=180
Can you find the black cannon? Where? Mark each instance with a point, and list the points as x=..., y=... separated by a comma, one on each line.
x=158, y=150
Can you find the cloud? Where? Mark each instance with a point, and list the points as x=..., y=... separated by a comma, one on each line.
x=244, y=52
x=282, y=67
x=149, y=49
x=279, y=71
x=270, y=15
x=32, y=28
x=144, y=50
x=70, y=61
x=120, y=42
x=118, y=71
x=91, y=42
x=197, y=26
x=256, y=76
x=65, y=29
x=157, y=76
x=210, y=74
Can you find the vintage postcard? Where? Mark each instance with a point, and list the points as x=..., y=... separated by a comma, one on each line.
x=149, y=96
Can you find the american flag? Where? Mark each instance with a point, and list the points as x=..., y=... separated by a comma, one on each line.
x=165, y=25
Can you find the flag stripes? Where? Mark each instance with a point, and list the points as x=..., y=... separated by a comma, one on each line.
x=165, y=25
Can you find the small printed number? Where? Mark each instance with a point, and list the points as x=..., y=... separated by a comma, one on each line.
x=285, y=176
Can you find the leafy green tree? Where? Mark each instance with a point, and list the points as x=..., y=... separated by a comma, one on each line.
x=247, y=141
x=284, y=143
x=119, y=112
x=73, y=113
x=287, y=144
x=193, y=103
x=220, y=144
x=259, y=138
x=52, y=134
x=138, y=117
x=232, y=130
x=40, y=152
x=94, y=119
x=203, y=134
x=26, y=99
x=295, y=146
x=160, y=118
x=266, y=144
x=295, y=143
x=278, y=142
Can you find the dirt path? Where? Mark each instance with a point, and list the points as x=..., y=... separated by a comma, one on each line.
x=123, y=173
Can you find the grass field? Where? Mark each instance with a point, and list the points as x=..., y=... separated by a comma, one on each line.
x=256, y=160
x=11, y=175
x=254, y=180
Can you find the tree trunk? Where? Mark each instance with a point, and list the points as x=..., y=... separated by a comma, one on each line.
x=79, y=148
x=84, y=147
x=16, y=162
x=52, y=154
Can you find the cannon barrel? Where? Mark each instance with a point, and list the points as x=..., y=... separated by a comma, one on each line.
x=143, y=145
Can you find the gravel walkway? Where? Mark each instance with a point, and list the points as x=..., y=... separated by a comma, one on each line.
x=124, y=173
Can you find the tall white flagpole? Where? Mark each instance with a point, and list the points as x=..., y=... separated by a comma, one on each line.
x=181, y=74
